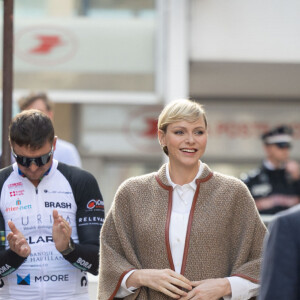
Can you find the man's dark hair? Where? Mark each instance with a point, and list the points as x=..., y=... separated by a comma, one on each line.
x=31, y=128
x=31, y=98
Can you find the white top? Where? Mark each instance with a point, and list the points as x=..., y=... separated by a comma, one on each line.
x=67, y=153
x=182, y=202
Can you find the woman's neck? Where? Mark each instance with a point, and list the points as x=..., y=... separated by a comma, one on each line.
x=181, y=174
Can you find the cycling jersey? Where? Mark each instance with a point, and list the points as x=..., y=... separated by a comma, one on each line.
x=46, y=274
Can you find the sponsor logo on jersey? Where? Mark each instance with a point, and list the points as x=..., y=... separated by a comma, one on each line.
x=90, y=220
x=58, y=205
x=4, y=269
x=52, y=278
x=18, y=207
x=82, y=264
x=95, y=204
x=57, y=192
x=39, y=221
x=23, y=280
x=15, y=185
x=39, y=239
x=16, y=193
x=43, y=257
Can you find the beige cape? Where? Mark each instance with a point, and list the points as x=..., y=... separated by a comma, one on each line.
x=224, y=236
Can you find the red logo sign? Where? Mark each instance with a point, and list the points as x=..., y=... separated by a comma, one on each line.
x=151, y=129
x=45, y=45
x=141, y=129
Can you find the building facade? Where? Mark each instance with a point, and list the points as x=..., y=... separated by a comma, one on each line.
x=110, y=66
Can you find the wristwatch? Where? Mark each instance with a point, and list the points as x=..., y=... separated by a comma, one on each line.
x=70, y=248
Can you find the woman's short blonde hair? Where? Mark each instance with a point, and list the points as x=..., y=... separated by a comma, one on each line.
x=180, y=110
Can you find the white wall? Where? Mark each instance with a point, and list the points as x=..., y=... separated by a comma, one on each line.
x=247, y=30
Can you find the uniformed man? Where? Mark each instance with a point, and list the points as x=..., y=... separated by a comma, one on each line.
x=275, y=186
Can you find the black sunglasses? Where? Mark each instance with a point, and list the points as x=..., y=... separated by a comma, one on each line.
x=26, y=161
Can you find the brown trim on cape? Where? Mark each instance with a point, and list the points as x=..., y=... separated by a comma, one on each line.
x=167, y=228
x=119, y=284
x=209, y=176
x=246, y=277
x=188, y=230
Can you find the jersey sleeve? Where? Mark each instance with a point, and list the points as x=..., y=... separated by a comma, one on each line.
x=9, y=260
x=89, y=220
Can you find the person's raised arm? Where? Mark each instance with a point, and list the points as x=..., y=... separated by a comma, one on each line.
x=13, y=257
x=89, y=219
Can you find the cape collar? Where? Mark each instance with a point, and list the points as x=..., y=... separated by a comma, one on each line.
x=204, y=176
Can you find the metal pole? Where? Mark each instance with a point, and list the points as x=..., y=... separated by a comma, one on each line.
x=7, y=79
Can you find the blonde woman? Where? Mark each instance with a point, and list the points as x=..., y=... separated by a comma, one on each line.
x=184, y=232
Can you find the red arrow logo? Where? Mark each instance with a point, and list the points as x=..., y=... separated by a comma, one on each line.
x=47, y=43
x=151, y=129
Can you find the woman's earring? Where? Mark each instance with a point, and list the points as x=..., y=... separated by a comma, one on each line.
x=165, y=149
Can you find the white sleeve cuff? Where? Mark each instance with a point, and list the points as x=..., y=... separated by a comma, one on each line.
x=241, y=288
x=123, y=290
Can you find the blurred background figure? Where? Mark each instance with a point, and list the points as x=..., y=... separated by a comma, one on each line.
x=275, y=185
x=65, y=152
